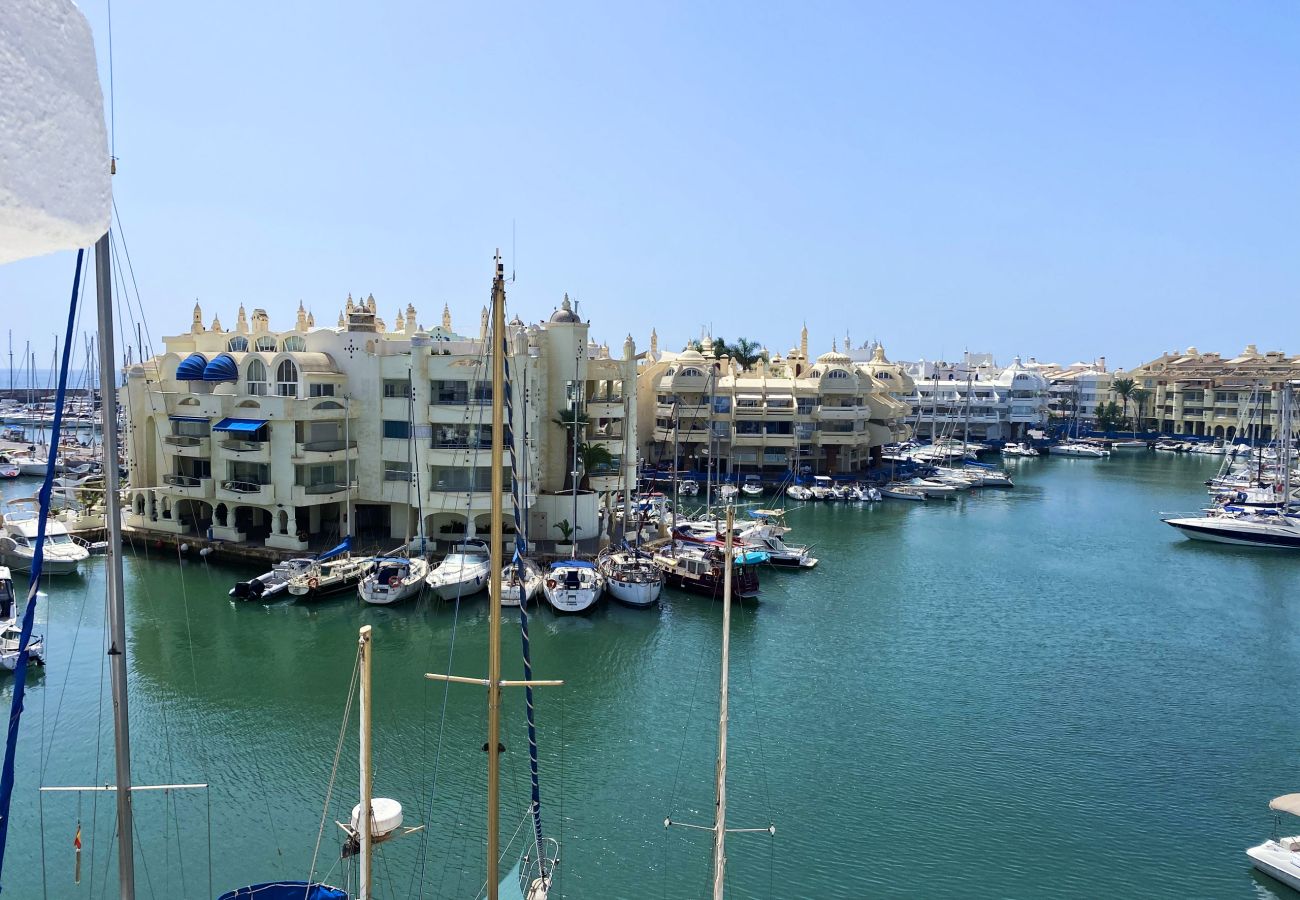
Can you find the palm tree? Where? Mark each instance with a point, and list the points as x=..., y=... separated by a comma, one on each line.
x=1124, y=388
x=592, y=457
x=1139, y=397
x=746, y=352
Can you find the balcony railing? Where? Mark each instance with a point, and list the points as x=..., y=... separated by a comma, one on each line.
x=243, y=487
x=460, y=443
x=459, y=400
x=332, y=487
x=328, y=446
x=243, y=446
x=182, y=480
x=182, y=440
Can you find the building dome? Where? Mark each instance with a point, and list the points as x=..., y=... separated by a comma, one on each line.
x=834, y=358
x=565, y=314
x=691, y=356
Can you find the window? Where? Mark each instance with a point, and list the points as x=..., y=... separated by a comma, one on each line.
x=397, y=428
x=397, y=387
x=722, y=405
x=190, y=429
x=691, y=373
x=265, y=344
x=255, y=378
x=294, y=343
x=286, y=378
x=395, y=470
x=320, y=389
x=237, y=344
x=837, y=373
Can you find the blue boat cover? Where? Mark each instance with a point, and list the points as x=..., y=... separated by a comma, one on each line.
x=286, y=890
x=222, y=368
x=239, y=425
x=573, y=564
x=336, y=551
x=191, y=369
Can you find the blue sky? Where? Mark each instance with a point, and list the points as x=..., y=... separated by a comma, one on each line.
x=1051, y=179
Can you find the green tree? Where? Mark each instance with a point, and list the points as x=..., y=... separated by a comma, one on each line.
x=1124, y=388
x=1109, y=416
x=1139, y=396
x=592, y=457
x=746, y=352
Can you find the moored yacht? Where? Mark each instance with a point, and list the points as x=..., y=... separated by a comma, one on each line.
x=1080, y=449
x=511, y=582
x=1235, y=525
x=701, y=568
x=272, y=584
x=573, y=585
x=631, y=577
x=333, y=576
x=18, y=540
x=394, y=579
x=463, y=572
x=1280, y=856
x=11, y=629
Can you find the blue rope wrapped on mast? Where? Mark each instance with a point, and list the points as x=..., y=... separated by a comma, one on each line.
x=521, y=547
x=38, y=561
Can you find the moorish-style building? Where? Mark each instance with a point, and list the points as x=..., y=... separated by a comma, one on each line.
x=832, y=414
x=294, y=438
x=978, y=397
x=1204, y=394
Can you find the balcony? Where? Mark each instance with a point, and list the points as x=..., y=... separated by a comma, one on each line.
x=247, y=451
x=833, y=413
x=324, y=451
x=189, y=486
x=311, y=494
x=187, y=445
x=605, y=408
x=236, y=491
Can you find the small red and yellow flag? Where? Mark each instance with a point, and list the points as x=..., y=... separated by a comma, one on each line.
x=76, y=841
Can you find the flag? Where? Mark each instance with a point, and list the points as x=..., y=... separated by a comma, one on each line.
x=76, y=841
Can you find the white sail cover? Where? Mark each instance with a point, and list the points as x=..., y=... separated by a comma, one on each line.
x=54, y=165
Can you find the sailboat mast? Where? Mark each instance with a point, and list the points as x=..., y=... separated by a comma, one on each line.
x=116, y=607
x=720, y=820
x=364, y=828
x=494, y=582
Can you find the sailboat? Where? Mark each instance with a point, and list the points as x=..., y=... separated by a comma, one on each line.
x=400, y=576
x=719, y=827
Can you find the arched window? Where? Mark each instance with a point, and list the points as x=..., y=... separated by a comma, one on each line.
x=286, y=379
x=294, y=343
x=690, y=373
x=328, y=404
x=237, y=344
x=256, y=378
x=265, y=344
x=837, y=373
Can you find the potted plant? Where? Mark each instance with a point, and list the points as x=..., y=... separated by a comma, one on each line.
x=566, y=534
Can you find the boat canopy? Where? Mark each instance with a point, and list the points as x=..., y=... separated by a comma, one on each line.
x=286, y=890
x=573, y=564
x=222, y=368
x=766, y=513
x=242, y=426
x=336, y=551
x=191, y=368
x=1287, y=803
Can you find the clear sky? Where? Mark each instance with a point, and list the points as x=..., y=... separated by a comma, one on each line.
x=1054, y=179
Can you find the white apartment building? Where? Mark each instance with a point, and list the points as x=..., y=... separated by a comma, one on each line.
x=1076, y=390
x=276, y=438
x=978, y=397
x=832, y=414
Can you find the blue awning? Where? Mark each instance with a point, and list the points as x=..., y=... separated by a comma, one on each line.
x=188, y=418
x=572, y=564
x=222, y=368
x=191, y=369
x=242, y=426
x=286, y=890
x=340, y=549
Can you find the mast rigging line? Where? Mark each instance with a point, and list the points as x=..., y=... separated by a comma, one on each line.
x=38, y=560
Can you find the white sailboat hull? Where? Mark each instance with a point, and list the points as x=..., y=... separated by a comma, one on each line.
x=634, y=593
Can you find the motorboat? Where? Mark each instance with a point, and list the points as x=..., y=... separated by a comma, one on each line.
x=631, y=577
x=688, y=487
x=463, y=572
x=1132, y=444
x=324, y=578
x=573, y=585
x=821, y=487
x=273, y=584
x=21, y=527
x=1021, y=450
x=1237, y=525
x=11, y=629
x=727, y=491
x=935, y=489
x=1279, y=857
x=8, y=470
x=779, y=553
x=752, y=487
x=700, y=568
x=394, y=579
x=799, y=492
x=1080, y=449
x=896, y=490
x=510, y=582
x=865, y=493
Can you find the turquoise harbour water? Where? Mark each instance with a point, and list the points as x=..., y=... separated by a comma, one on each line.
x=1025, y=693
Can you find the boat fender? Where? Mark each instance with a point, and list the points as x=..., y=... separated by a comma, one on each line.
x=394, y=581
x=551, y=582
x=313, y=583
